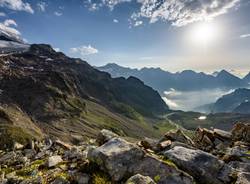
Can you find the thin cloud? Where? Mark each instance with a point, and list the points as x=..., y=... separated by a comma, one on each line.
x=10, y=22
x=17, y=5
x=41, y=6
x=115, y=21
x=245, y=36
x=84, y=50
x=58, y=13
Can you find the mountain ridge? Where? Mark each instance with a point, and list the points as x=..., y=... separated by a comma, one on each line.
x=187, y=80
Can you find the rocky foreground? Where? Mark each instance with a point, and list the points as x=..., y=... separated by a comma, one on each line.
x=209, y=157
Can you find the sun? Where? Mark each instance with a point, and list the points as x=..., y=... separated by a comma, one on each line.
x=204, y=33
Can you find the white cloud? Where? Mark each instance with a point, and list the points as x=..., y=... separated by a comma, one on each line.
x=182, y=12
x=84, y=50
x=245, y=36
x=177, y=12
x=115, y=21
x=17, y=5
x=41, y=6
x=10, y=22
x=57, y=49
x=58, y=13
x=10, y=31
x=95, y=5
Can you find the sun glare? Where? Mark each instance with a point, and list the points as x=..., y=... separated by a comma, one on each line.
x=204, y=33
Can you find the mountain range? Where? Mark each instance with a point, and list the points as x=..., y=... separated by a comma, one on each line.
x=236, y=102
x=44, y=92
x=186, y=80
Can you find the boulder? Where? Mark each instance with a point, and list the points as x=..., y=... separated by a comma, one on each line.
x=203, y=166
x=221, y=134
x=54, y=160
x=120, y=159
x=178, y=136
x=241, y=132
x=139, y=179
x=104, y=136
x=116, y=157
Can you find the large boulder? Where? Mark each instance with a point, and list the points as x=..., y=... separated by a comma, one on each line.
x=139, y=179
x=203, y=166
x=121, y=159
x=116, y=156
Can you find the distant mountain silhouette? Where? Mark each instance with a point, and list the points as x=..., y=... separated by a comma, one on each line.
x=186, y=80
x=237, y=101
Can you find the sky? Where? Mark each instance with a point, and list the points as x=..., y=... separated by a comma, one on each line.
x=203, y=35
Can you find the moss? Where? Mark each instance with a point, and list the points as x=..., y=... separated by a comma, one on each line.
x=157, y=178
x=28, y=171
x=170, y=163
x=100, y=178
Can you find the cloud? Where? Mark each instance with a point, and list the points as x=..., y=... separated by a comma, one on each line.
x=177, y=12
x=41, y=6
x=115, y=21
x=10, y=22
x=94, y=5
x=245, y=36
x=58, y=13
x=57, y=49
x=5, y=28
x=182, y=12
x=17, y=5
x=84, y=50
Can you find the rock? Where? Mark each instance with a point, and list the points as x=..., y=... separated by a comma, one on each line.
x=8, y=158
x=178, y=136
x=116, y=157
x=60, y=180
x=240, y=166
x=104, y=136
x=241, y=132
x=18, y=146
x=148, y=143
x=221, y=134
x=157, y=169
x=243, y=178
x=139, y=179
x=203, y=166
x=165, y=144
x=54, y=160
x=119, y=159
x=63, y=145
x=81, y=178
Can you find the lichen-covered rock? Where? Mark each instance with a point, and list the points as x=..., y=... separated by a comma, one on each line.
x=104, y=136
x=203, y=166
x=120, y=159
x=139, y=179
